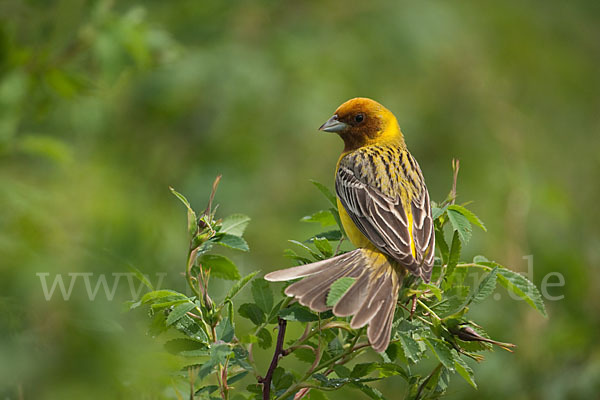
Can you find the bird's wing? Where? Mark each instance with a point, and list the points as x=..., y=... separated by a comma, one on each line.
x=390, y=207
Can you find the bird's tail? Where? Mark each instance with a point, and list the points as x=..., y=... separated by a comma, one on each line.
x=371, y=299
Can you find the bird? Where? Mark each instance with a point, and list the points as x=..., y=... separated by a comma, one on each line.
x=385, y=210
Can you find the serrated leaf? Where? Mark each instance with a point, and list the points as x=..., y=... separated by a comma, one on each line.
x=291, y=254
x=474, y=219
x=486, y=287
x=178, y=312
x=410, y=347
x=455, y=299
x=252, y=312
x=191, y=215
x=235, y=224
x=282, y=379
x=225, y=330
x=323, y=245
x=305, y=247
x=236, y=377
x=453, y=258
x=206, y=389
x=440, y=243
x=156, y=295
x=231, y=241
x=190, y=327
x=383, y=370
x=442, y=352
x=239, y=285
x=465, y=371
x=326, y=192
x=141, y=277
x=480, y=259
x=323, y=217
x=437, y=212
x=298, y=313
x=520, y=286
x=332, y=236
x=262, y=295
x=186, y=347
x=461, y=224
x=369, y=391
x=220, y=266
x=337, y=290
x=264, y=338
x=219, y=353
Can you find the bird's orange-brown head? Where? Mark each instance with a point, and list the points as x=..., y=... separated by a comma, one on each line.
x=361, y=122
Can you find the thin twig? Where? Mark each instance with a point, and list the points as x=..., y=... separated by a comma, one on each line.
x=266, y=381
x=455, y=168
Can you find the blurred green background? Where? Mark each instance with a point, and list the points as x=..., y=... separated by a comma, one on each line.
x=105, y=104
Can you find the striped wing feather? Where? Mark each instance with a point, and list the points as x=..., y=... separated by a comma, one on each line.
x=384, y=220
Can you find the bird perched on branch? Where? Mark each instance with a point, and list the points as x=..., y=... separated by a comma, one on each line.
x=384, y=207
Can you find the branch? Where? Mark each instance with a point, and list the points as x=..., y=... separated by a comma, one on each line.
x=266, y=381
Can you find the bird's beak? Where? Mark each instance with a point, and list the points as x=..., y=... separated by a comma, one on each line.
x=333, y=125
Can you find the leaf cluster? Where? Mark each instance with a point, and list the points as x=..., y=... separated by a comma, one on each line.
x=431, y=320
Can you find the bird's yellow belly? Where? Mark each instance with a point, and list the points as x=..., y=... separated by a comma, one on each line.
x=355, y=235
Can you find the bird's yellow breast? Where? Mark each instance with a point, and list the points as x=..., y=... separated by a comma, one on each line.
x=353, y=233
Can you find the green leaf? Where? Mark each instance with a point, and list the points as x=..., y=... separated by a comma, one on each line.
x=520, y=286
x=239, y=285
x=231, y=241
x=225, y=330
x=461, y=224
x=191, y=215
x=383, y=370
x=326, y=192
x=442, y=352
x=305, y=247
x=207, y=389
x=264, y=338
x=480, y=259
x=455, y=299
x=337, y=290
x=291, y=254
x=262, y=295
x=410, y=347
x=152, y=297
x=220, y=266
x=486, y=287
x=141, y=277
x=323, y=246
x=436, y=291
x=305, y=355
x=440, y=243
x=282, y=379
x=252, y=312
x=178, y=312
x=186, y=347
x=298, y=313
x=219, y=353
x=332, y=236
x=369, y=391
x=323, y=217
x=474, y=219
x=190, y=327
x=464, y=370
x=437, y=212
x=237, y=377
x=235, y=224
x=453, y=257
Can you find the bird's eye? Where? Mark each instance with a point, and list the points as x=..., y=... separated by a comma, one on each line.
x=359, y=117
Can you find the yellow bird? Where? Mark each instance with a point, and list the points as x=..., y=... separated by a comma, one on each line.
x=384, y=207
